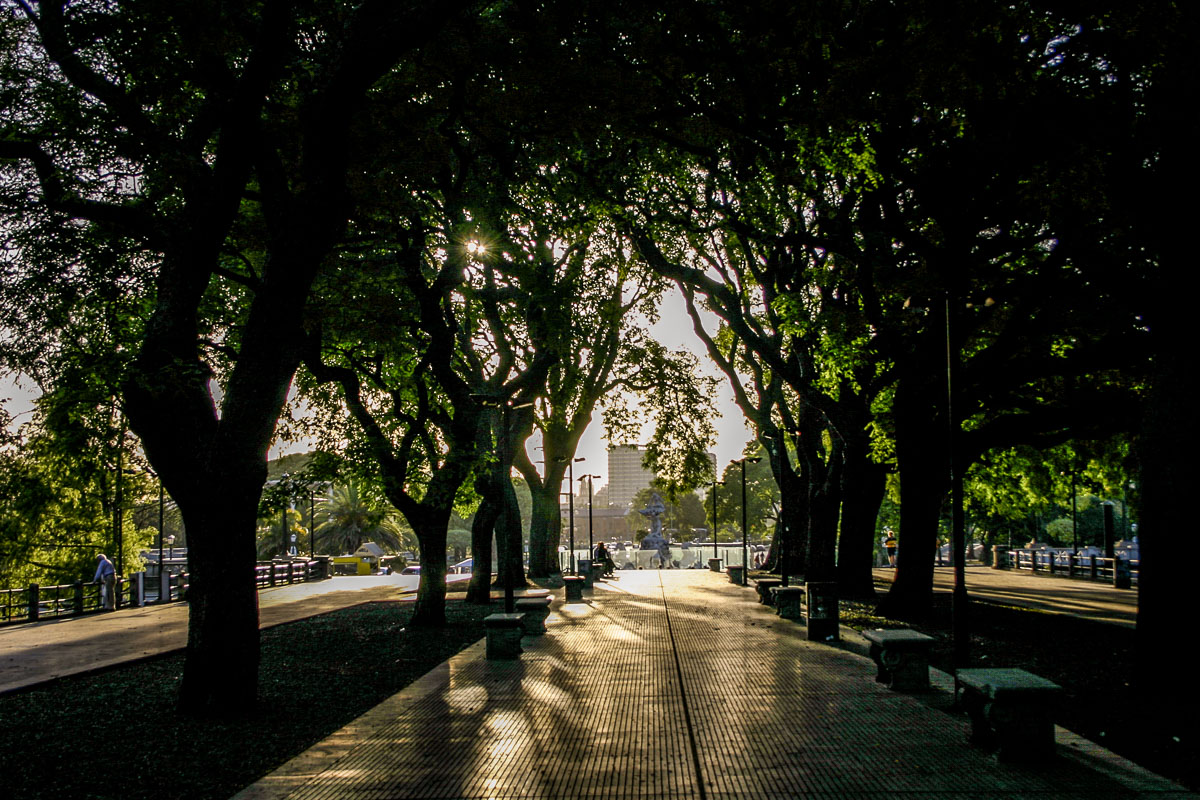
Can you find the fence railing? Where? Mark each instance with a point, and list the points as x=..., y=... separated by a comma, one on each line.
x=35, y=602
x=1068, y=564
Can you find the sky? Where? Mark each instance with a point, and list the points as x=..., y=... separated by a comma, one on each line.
x=674, y=329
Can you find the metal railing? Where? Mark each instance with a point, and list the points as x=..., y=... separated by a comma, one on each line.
x=35, y=602
x=1070, y=565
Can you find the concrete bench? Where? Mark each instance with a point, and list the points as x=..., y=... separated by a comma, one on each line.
x=1012, y=711
x=504, y=633
x=534, y=611
x=789, y=601
x=735, y=573
x=902, y=657
x=574, y=586
x=763, y=587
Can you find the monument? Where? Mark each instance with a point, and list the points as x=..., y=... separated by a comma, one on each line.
x=655, y=539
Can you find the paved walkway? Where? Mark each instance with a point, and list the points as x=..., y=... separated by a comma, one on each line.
x=37, y=652
x=1078, y=597
x=676, y=684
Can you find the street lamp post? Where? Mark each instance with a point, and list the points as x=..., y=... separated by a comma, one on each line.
x=958, y=604
x=745, y=546
x=162, y=502
x=714, y=486
x=589, y=478
x=571, y=502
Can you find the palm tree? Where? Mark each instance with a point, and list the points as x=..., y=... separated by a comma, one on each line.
x=353, y=516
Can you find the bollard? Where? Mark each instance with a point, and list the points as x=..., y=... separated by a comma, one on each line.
x=34, y=602
x=574, y=586
x=999, y=556
x=164, y=585
x=137, y=597
x=1071, y=564
x=77, y=600
x=1122, y=576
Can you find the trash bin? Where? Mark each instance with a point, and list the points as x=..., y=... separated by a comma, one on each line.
x=822, y=611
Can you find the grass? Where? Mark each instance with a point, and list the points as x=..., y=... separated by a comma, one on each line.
x=116, y=733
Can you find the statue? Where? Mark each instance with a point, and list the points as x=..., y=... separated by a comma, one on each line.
x=655, y=539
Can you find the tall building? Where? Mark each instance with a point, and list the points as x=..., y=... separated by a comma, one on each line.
x=626, y=475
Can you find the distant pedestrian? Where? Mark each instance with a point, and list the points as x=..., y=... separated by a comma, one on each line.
x=601, y=556
x=889, y=544
x=106, y=576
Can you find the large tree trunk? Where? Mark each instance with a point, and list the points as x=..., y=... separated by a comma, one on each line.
x=544, y=531
x=924, y=475
x=793, y=521
x=510, y=567
x=1169, y=439
x=482, y=529
x=825, y=484
x=214, y=466
x=430, y=528
x=220, y=675
x=863, y=485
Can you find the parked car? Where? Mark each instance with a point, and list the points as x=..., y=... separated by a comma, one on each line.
x=462, y=567
x=413, y=570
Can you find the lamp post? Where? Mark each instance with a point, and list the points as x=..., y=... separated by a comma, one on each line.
x=714, y=486
x=571, y=501
x=958, y=604
x=589, y=478
x=312, y=515
x=745, y=547
x=283, y=531
x=162, y=502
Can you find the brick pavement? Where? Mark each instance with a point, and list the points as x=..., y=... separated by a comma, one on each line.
x=676, y=684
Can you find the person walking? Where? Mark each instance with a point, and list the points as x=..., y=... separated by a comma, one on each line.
x=889, y=544
x=106, y=576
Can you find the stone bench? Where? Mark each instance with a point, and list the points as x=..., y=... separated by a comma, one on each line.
x=714, y=564
x=1012, y=711
x=735, y=573
x=534, y=611
x=504, y=633
x=789, y=601
x=574, y=586
x=902, y=657
x=763, y=587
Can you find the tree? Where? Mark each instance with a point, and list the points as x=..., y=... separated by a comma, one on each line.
x=353, y=516
x=205, y=149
